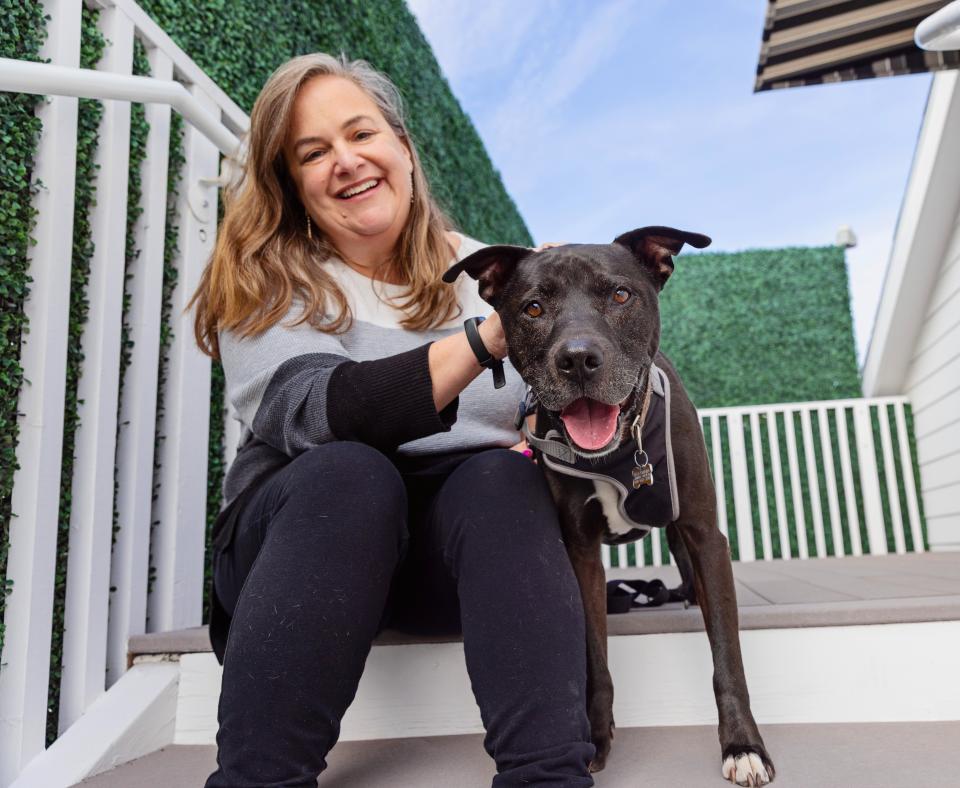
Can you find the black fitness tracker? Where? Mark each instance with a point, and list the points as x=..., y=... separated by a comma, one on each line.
x=484, y=357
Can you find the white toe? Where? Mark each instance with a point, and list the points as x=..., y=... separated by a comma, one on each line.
x=728, y=769
x=745, y=769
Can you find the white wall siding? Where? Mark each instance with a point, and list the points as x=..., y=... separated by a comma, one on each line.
x=933, y=386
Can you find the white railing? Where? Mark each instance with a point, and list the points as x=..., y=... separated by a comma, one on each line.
x=803, y=480
x=98, y=621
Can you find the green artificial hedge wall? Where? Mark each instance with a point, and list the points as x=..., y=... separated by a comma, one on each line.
x=767, y=325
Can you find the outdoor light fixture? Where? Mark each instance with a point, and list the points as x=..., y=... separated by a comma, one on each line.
x=940, y=32
x=845, y=237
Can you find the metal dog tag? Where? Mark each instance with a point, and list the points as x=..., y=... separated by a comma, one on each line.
x=642, y=475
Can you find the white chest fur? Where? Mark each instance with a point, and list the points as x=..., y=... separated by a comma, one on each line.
x=606, y=493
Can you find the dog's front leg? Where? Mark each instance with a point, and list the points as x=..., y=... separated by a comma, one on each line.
x=588, y=567
x=744, y=759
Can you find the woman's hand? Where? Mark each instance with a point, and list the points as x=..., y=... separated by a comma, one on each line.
x=491, y=332
x=550, y=245
x=523, y=448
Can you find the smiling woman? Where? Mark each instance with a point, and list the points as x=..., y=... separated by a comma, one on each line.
x=352, y=171
x=372, y=485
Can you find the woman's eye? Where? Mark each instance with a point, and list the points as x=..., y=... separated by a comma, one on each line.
x=314, y=154
x=621, y=295
x=363, y=135
x=533, y=309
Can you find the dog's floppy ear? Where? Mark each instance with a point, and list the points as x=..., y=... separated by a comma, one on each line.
x=656, y=246
x=491, y=267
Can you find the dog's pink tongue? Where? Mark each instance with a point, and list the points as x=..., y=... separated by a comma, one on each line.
x=591, y=424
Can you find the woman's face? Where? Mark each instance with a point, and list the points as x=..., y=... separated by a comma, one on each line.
x=352, y=171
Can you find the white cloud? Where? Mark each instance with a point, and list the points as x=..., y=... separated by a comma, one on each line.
x=474, y=39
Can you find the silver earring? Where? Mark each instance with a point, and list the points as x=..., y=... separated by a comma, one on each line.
x=309, y=228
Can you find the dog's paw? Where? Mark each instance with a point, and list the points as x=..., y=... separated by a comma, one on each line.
x=747, y=767
x=602, y=742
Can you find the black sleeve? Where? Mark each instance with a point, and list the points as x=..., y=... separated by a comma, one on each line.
x=386, y=402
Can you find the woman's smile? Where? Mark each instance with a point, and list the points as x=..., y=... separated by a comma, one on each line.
x=359, y=190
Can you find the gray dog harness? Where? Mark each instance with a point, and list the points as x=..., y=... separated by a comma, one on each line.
x=636, y=483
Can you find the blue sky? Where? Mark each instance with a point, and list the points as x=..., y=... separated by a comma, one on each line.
x=605, y=116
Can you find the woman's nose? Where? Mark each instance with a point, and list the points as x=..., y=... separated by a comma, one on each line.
x=345, y=159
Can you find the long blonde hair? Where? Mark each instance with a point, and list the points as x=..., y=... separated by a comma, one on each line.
x=264, y=259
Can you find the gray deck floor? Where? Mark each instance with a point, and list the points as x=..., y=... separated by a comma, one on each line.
x=875, y=755
x=881, y=589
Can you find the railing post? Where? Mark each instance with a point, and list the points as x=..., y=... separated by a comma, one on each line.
x=799, y=516
x=91, y=510
x=906, y=462
x=869, y=482
x=890, y=476
x=846, y=469
x=129, y=569
x=36, y=485
x=813, y=482
x=741, y=488
x=829, y=473
x=760, y=474
x=180, y=509
x=718, y=483
x=776, y=468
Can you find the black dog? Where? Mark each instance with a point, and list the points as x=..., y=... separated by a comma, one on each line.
x=583, y=328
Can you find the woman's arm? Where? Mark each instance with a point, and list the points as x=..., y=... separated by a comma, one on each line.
x=298, y=388
x=453, y=364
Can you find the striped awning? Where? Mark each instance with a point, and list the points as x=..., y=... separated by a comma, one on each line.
x=808, y=42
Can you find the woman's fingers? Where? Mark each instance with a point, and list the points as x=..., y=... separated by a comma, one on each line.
x=550, y=245
x=522, y=448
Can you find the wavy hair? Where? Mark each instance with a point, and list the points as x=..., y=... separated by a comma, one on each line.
x=264, y=260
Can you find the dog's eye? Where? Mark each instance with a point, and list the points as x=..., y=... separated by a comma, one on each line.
x=621, y=295
x=533, y=309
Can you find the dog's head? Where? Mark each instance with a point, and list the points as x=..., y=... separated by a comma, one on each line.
x=582, y=323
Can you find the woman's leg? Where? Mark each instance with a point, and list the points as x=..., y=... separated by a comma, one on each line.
x=495, y=542
x=306, y=580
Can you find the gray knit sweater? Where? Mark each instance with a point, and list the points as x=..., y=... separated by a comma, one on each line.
x=295, y=387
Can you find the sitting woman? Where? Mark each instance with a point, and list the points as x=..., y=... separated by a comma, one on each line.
x=374, y=485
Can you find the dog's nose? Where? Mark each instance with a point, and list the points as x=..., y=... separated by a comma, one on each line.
x=579, y=359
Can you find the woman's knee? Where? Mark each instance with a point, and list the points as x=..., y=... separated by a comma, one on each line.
x=501, y=497
x=500, y=474
x=348, y=480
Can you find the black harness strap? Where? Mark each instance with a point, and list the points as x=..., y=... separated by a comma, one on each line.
x=622, y=595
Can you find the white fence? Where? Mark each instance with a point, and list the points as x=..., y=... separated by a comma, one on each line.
x=97, y=623
x=829, y=482
x=807, y=479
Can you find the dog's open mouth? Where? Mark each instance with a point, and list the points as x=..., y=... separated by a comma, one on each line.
x=591, y=424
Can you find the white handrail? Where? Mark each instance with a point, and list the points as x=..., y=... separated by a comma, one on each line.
x=21, y=76
x=940, y=32
x=780, y=407
x=188, y=72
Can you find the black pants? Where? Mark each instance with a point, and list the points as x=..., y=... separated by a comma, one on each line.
x=338, y=544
